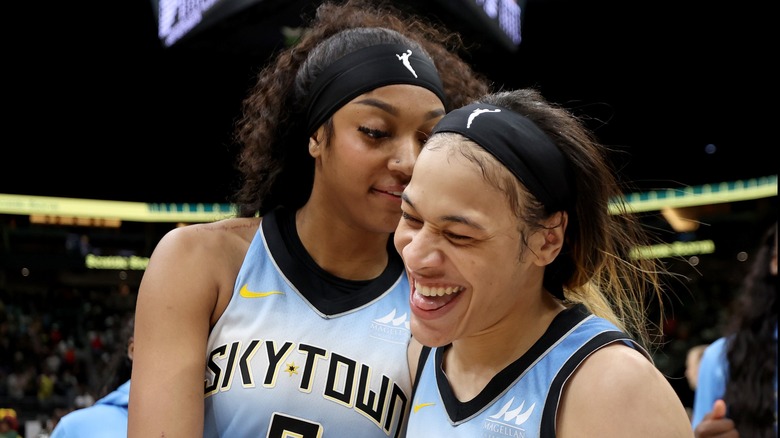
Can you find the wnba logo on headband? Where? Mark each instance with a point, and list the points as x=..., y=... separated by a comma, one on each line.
x=477, y=112
x=367, y=69
x=405, y=60
x=520, y=145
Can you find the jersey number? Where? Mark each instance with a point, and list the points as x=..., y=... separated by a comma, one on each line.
x=285, y=426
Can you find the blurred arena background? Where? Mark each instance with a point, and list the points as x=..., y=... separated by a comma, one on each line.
x=118, y=123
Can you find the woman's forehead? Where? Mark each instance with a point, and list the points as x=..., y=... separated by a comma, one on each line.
x=448, y=173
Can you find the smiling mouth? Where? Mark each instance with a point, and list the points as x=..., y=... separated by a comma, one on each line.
x=427, y=291
x=398, y=194
x=428, y=298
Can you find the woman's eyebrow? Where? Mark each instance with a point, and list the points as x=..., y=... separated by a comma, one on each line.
x=450, y=217
x=384, y=106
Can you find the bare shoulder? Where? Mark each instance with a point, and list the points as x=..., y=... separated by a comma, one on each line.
x=617, y=391
x=199, y=263
x=212, y=235
x=226, y=238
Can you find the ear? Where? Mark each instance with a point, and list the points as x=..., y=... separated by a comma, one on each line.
x=314, y=143
x=130, y=348
x=554, y=233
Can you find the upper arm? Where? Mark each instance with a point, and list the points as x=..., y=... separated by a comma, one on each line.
x=617, y=392
x=176, y=298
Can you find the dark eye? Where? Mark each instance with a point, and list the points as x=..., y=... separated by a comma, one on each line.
x=373, y=133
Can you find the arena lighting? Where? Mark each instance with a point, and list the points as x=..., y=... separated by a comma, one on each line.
x=719, y=193
x=121, y=263
x=654, y=200
x=77, y=221
x=178, y=20
x=676, y=249
x=500, y=19
x=175, y=19
x=113, y=210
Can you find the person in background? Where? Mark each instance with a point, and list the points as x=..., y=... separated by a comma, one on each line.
x=107, y=417
x=736, y=394
x=9, y=425
x=692, y=360
x=528, y=310
x=295, y=313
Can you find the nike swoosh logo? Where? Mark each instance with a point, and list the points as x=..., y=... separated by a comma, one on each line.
x=419, y=406
x=246, y=293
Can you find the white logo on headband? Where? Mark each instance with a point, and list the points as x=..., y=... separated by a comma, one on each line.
x=405, y=59
x=477, y=112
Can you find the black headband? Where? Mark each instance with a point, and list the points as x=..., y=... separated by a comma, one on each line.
x=518, y=144
x=364, y=70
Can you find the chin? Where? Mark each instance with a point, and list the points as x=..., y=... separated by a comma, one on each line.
x=428, y=336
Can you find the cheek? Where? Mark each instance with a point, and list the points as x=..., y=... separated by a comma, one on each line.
x=400, y=239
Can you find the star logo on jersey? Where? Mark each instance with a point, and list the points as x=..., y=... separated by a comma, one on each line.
x=291, y=368
x=246, y=293
x=419, y=406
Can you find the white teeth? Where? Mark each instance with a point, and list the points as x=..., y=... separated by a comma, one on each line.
x=396, y=193
x=435, y=291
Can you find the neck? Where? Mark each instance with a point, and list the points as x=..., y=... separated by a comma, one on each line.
x=476, y=359
x=343, y=250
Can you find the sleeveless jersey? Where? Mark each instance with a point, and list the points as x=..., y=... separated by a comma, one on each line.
x=522, y=400
x=285, y=359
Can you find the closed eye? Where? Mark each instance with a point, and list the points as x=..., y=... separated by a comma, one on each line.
x=417, y=223
x=459, y=237
x=423, y=138
x=409, y=218
x=373, y=133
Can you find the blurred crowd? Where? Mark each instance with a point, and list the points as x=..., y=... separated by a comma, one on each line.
x=55, y=348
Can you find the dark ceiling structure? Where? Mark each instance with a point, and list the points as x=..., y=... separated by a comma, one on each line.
x=99, y=108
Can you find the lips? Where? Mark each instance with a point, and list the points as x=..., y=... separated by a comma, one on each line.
x=393, y=190
x=431, y=298
x=394, y=193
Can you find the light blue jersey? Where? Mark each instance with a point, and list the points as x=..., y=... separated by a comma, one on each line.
x=522, y=400
x=301, y=353
x=107, y=418
x=713, y=378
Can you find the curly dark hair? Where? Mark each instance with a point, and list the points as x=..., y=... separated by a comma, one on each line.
x=274, y=162
x=752, y=347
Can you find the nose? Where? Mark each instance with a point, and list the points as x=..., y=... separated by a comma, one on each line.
x=420, y=251
x=404, y=156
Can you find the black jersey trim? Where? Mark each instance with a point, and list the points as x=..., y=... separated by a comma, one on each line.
x=461, y=411
x=547, y=425
x=420, y=365
x=329, y=294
